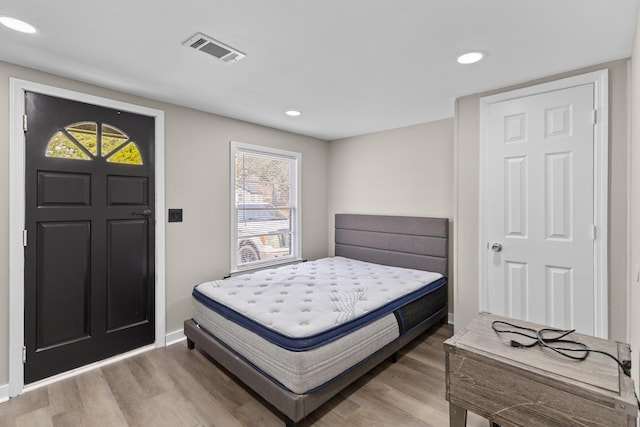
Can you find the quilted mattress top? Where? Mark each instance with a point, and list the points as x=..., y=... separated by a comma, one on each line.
x=311, y=298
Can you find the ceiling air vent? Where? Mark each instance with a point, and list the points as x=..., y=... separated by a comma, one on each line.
x=214, y=48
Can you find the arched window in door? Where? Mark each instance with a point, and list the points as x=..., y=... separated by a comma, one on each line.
x=82, y=141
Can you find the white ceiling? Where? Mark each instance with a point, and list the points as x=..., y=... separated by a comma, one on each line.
x=351, y=66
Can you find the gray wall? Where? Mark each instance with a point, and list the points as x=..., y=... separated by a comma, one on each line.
x=466, y=198
x=406, y=171
x=197, y=180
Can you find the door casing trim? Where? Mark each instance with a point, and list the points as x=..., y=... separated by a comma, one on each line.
x=17, y=213
x=600, y=80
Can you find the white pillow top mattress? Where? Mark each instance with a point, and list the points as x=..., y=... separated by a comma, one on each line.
x=304, y=305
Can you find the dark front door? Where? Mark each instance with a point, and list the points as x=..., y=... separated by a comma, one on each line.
x=89, y=255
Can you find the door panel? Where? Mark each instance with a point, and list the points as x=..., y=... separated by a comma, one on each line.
x=541, y=193
x=560, y=291
x=516, y=196
x=127, y=296
x=64, y=252
x=516, y=289
x=558, y=177
x=89, y=262
x=63, y=189
x=127, y=190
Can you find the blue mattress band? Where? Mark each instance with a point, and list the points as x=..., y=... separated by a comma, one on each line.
x=319, y=339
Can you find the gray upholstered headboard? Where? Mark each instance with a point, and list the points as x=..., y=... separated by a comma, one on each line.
x=401, y=241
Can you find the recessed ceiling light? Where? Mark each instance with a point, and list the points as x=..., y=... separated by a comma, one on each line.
x=471, y=57
x=293, y=113
x=17, y=25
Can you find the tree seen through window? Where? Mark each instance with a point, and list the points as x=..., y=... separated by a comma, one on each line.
x=82, y=141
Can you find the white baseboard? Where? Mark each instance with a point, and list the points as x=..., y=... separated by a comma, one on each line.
x=450, y=321
x=4, y=393
x=175, y=337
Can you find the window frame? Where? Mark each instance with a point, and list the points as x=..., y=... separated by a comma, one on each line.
x=294, y=203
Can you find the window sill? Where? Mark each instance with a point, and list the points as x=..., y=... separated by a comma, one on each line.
x=266, y=265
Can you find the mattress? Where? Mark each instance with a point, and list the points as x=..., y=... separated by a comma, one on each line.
x=305, y=324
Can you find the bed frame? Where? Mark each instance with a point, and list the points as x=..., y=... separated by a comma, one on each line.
x=410, y=242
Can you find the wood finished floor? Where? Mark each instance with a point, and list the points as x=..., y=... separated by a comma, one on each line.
x=177, y=387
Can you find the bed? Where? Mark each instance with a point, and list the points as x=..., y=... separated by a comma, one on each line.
x=384, y=287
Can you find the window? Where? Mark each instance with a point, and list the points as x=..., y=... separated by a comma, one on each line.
x=79, y=141
x=265, y=214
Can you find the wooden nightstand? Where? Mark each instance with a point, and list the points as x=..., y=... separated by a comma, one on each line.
x=514, y=386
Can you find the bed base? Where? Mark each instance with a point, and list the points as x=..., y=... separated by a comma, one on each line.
x=295, y=407
x=410, y=242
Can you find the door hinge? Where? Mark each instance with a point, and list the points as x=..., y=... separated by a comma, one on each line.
x=24, y=122
x=594, y=117
x=24, y=238
x=24, y=354
x=593, y=232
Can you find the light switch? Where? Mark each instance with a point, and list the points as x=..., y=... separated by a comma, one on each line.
x=175, y=215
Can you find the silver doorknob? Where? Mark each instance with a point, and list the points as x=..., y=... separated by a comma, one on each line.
x=496, y=247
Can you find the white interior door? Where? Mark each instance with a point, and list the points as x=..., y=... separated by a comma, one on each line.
x=539, y=208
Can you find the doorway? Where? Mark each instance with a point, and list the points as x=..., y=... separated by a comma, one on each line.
x=101, y=184
x=544, y=204
x=89, y=246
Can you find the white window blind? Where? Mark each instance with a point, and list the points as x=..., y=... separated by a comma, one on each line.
x=265, y=211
